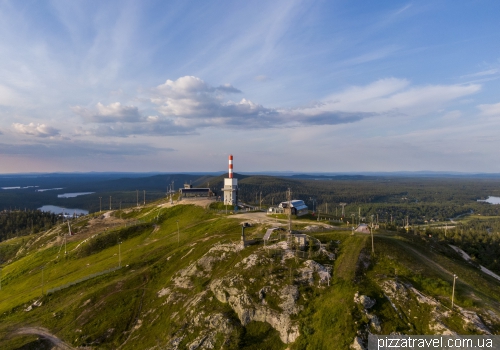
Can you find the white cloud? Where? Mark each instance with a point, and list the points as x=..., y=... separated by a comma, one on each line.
x=391, y=96
x=187, y=104
x=114, y=112
x=483, y=73
x=191, y=98
x=490, y=109
x=38, y=130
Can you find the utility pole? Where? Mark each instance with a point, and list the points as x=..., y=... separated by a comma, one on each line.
x=42, y=279
x=289, y=210
x=144, y=197
x=453, y=292
x=100, y=204
x=371, y=233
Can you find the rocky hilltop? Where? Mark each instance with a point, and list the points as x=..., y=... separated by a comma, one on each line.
x=179, y=276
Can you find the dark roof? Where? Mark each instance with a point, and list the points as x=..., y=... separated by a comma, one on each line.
x=195, y=190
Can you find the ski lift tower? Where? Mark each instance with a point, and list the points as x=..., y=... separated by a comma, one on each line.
x=343, y=208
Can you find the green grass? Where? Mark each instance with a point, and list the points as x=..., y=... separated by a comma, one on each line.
x=102, y=312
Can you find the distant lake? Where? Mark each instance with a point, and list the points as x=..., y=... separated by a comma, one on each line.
x=16, y=187
x=59, y=210
x=491, y=200
x=49, y=189
x=74, y=194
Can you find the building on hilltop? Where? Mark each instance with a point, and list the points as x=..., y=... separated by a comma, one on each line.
x=297, y=207
x=363, y=228
x=189, y=192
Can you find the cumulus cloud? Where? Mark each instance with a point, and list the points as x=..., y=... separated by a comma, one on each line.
x=38, y=130
x=190, y=101
x=111, y=113
x=188, y=104
x=490, y=109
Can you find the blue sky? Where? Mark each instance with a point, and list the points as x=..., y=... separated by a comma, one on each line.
x=327, y=86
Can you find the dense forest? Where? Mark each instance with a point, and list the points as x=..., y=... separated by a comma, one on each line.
x=480, y=238
x=421, y=199
x=21, y=223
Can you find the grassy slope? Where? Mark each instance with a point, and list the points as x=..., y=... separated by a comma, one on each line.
x=107, y=308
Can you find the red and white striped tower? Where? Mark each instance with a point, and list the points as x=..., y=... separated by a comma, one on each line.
x=230, y=186
x=230, y=166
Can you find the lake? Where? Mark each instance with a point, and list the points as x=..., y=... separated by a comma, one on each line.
x=59, y=210
x=49, y=189
x=491, y=200
x=74, y=194
x=17, y=187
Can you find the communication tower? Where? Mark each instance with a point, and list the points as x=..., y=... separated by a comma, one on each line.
x=230, y=186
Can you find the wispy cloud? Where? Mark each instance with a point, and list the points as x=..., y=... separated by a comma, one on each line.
x=67, y=148
x=490, y=109
x=483, y=73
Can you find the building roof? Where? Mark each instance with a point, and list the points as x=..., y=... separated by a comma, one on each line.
x=296, y=203
x=195, y=190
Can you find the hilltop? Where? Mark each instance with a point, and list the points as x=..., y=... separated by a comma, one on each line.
x=181, y=279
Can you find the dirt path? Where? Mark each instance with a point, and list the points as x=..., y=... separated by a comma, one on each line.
x=468, y=258
x=348, y=261
x=44, y=333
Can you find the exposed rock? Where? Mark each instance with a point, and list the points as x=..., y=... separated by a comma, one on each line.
x=248, y=262
x=249, y=311
x=162, y=292
x=307, y=272
x=374, y=322
x=263, y=291
x=290, y=294
x=207, y=262
x=472, y=320
x=402, y=293
x=357, y=344
x=183, y=277
x=364, y=300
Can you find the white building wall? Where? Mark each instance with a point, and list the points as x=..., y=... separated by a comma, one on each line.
x=230, y=191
